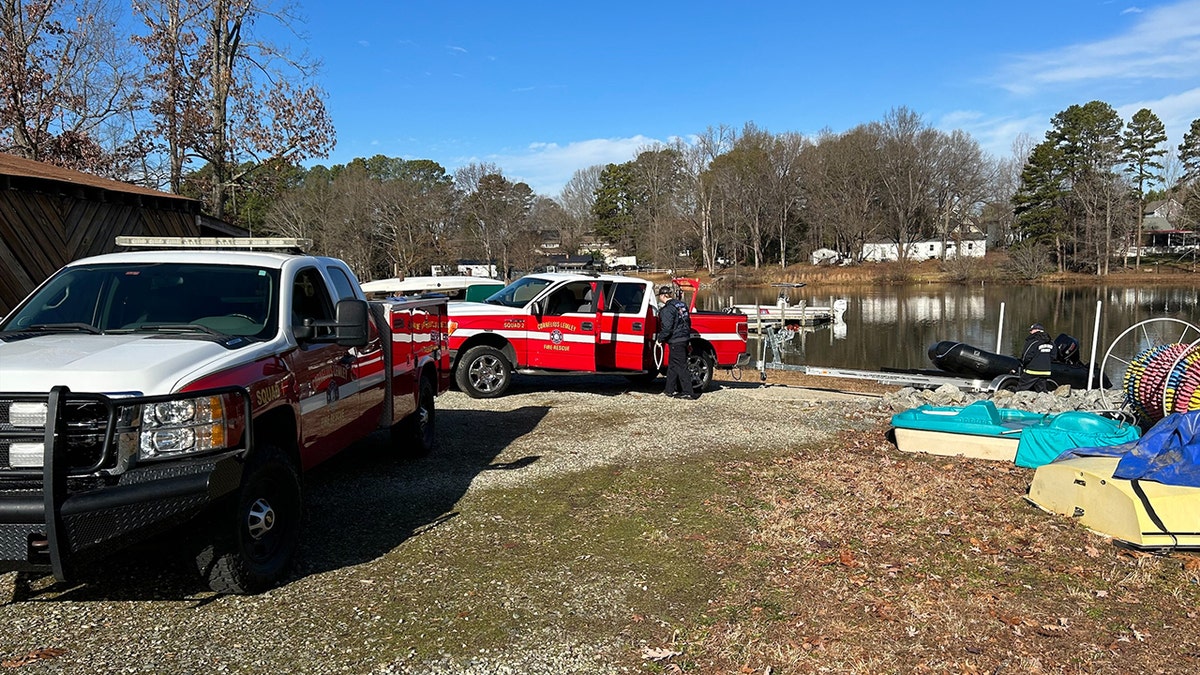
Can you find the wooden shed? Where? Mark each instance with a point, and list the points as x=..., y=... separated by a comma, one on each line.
x=50, y=216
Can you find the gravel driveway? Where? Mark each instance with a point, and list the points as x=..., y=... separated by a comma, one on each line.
x=377, y=528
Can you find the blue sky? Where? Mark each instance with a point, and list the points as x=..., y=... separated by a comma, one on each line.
x=542, y=89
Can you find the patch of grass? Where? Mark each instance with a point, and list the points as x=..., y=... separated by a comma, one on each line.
x=621, y=552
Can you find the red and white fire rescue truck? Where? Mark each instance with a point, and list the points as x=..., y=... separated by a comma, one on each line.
x=142, y=389
x=581, y=323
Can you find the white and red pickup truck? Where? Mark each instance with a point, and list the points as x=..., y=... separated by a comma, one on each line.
x=581, y=323
x=142, y=389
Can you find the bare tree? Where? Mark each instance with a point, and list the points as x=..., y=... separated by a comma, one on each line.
x=224, y=95
x=785, y=193
x=1109, y=206
x=577, y=198
x=907, y=155
x=697, y=190
x=842, y=191
x=1005, y=178
x=67, y=89
x=960, y=181
x=352, y=229
x=742, y=180
x=468, y=176
x=303, y=212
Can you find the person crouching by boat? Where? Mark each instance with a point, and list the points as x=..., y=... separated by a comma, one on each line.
x=1035, y=360
x=674, y=331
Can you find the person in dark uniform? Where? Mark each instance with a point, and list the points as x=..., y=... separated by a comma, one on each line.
x=674, y=331
x=1035, y=359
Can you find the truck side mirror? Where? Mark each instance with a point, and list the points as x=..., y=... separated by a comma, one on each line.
x=351, y=329
x=536, y=309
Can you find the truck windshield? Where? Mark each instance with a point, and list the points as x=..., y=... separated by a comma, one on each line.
x=153, y=297
x=519, y=292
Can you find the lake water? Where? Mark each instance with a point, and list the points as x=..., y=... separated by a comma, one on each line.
x=893, y=326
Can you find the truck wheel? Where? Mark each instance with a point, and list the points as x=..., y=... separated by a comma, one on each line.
x=483, y=372
x=254, y=539
x=700, y=365
x=414, y=436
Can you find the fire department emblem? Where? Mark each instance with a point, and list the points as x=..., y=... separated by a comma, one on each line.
x=556, y=336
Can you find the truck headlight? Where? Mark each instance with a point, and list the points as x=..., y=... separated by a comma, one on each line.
x=183, y=426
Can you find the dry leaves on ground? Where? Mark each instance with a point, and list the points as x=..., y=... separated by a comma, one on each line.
x=33, y=657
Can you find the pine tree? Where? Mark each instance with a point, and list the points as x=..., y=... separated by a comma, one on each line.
x=1141, y=147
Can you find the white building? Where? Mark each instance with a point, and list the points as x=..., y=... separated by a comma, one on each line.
x=924, y=250
x=467, y=268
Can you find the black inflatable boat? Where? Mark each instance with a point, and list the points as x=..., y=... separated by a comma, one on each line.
x=963, y=359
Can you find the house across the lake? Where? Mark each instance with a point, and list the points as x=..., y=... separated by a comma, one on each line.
x=974, y=246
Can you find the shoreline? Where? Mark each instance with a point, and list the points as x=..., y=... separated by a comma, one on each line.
x=930, y=272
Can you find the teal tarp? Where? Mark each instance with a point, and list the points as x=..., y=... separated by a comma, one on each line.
x=1041, y=444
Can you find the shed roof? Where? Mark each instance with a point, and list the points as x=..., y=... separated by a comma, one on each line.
x=14, y=166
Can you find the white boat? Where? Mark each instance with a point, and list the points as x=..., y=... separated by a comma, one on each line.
x=454, y=287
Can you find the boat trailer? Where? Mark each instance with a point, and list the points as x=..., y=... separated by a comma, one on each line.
x=914, y=379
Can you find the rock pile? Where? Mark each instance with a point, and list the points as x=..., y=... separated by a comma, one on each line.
x=1060, y=400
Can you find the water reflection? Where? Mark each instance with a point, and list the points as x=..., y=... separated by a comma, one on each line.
x=893, y=326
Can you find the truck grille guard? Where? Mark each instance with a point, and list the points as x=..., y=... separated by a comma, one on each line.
x=81, y=431
x=80, y=440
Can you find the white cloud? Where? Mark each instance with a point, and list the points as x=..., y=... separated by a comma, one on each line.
x=1156, y=59
x=1177, y=112
x=547, y=167
x=1163, y=43
x=995, y=135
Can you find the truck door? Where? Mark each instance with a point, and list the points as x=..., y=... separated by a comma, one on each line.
x=364, y=394
x=562, y=333
x=624, y=330
x=323, y=371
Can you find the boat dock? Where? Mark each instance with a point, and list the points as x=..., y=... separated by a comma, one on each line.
x=761, y=317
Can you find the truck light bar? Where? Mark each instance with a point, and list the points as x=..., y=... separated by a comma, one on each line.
x=286, y=243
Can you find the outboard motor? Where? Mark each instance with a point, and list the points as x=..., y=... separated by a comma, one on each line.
x=1066, y=349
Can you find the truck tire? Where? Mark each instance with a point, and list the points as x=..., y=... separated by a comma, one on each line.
x=483, y=372
x=415, y=435
x=254, y=538
x=700, y=365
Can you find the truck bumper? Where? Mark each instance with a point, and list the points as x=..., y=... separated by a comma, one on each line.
x=46, y=532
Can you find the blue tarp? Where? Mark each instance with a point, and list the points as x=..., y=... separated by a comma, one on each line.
x=1169, y=453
